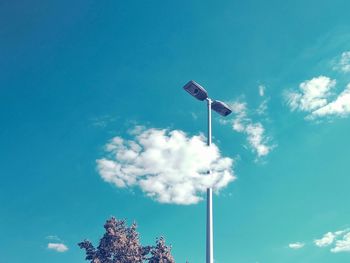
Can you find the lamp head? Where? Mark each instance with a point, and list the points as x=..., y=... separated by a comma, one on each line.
x=222, y=108
x=196, y=90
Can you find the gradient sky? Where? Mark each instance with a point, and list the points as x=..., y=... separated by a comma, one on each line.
x=75, y=74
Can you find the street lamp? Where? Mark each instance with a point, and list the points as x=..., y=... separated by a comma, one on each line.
x=201, y=94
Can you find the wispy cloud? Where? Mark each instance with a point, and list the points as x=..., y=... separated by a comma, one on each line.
x=169, y=166
x=340, y=240
x=342, y=245
x=312, y=94
x=257, y=139
x=339, y=107
x=59, y=247
x=317, y=99
x=326, y=240
x=297, y=245
x=343, y=63
x=262, y=89
x=262, y=109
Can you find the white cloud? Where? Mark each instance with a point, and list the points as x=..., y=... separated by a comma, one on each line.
x=257, y=139
x=255, y=131
x=240, y=111
x=339, y=107
x=262, y=89
x=261, y=110
x=312, y=94
x=340, y=239
x=342, y=245
x=344, y=63
x=326, y=240
x=59, y=247
x=168, y=166
x=340, y=232
x=314, y=98
x=296, y=245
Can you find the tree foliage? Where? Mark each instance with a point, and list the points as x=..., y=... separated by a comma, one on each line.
x=161, y=253
x=121, y=244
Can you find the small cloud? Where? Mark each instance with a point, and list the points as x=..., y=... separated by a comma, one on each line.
x=314, y=97
x=256, y=138
x=340, y=232
x=317, y=96
x=169, y=166
x=339, y=107
x=296, y=245
x=261, y=110
x=255, y=131
x=343, y=64
x=59, y=247
x=262, y=89
x=330, y=237
x=342, y=245
x=312, y=94
x=339, y=239
x=326, y=240
x=240, y=110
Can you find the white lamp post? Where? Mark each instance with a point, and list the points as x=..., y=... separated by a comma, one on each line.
x=200, y=93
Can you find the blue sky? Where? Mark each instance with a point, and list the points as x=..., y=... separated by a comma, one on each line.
x=76, y=74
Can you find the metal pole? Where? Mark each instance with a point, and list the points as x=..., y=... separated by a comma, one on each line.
x=209, y=121
x=210, y=252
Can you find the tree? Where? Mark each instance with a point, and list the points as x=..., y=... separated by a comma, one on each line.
x=121, y=244
x=161, y=253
